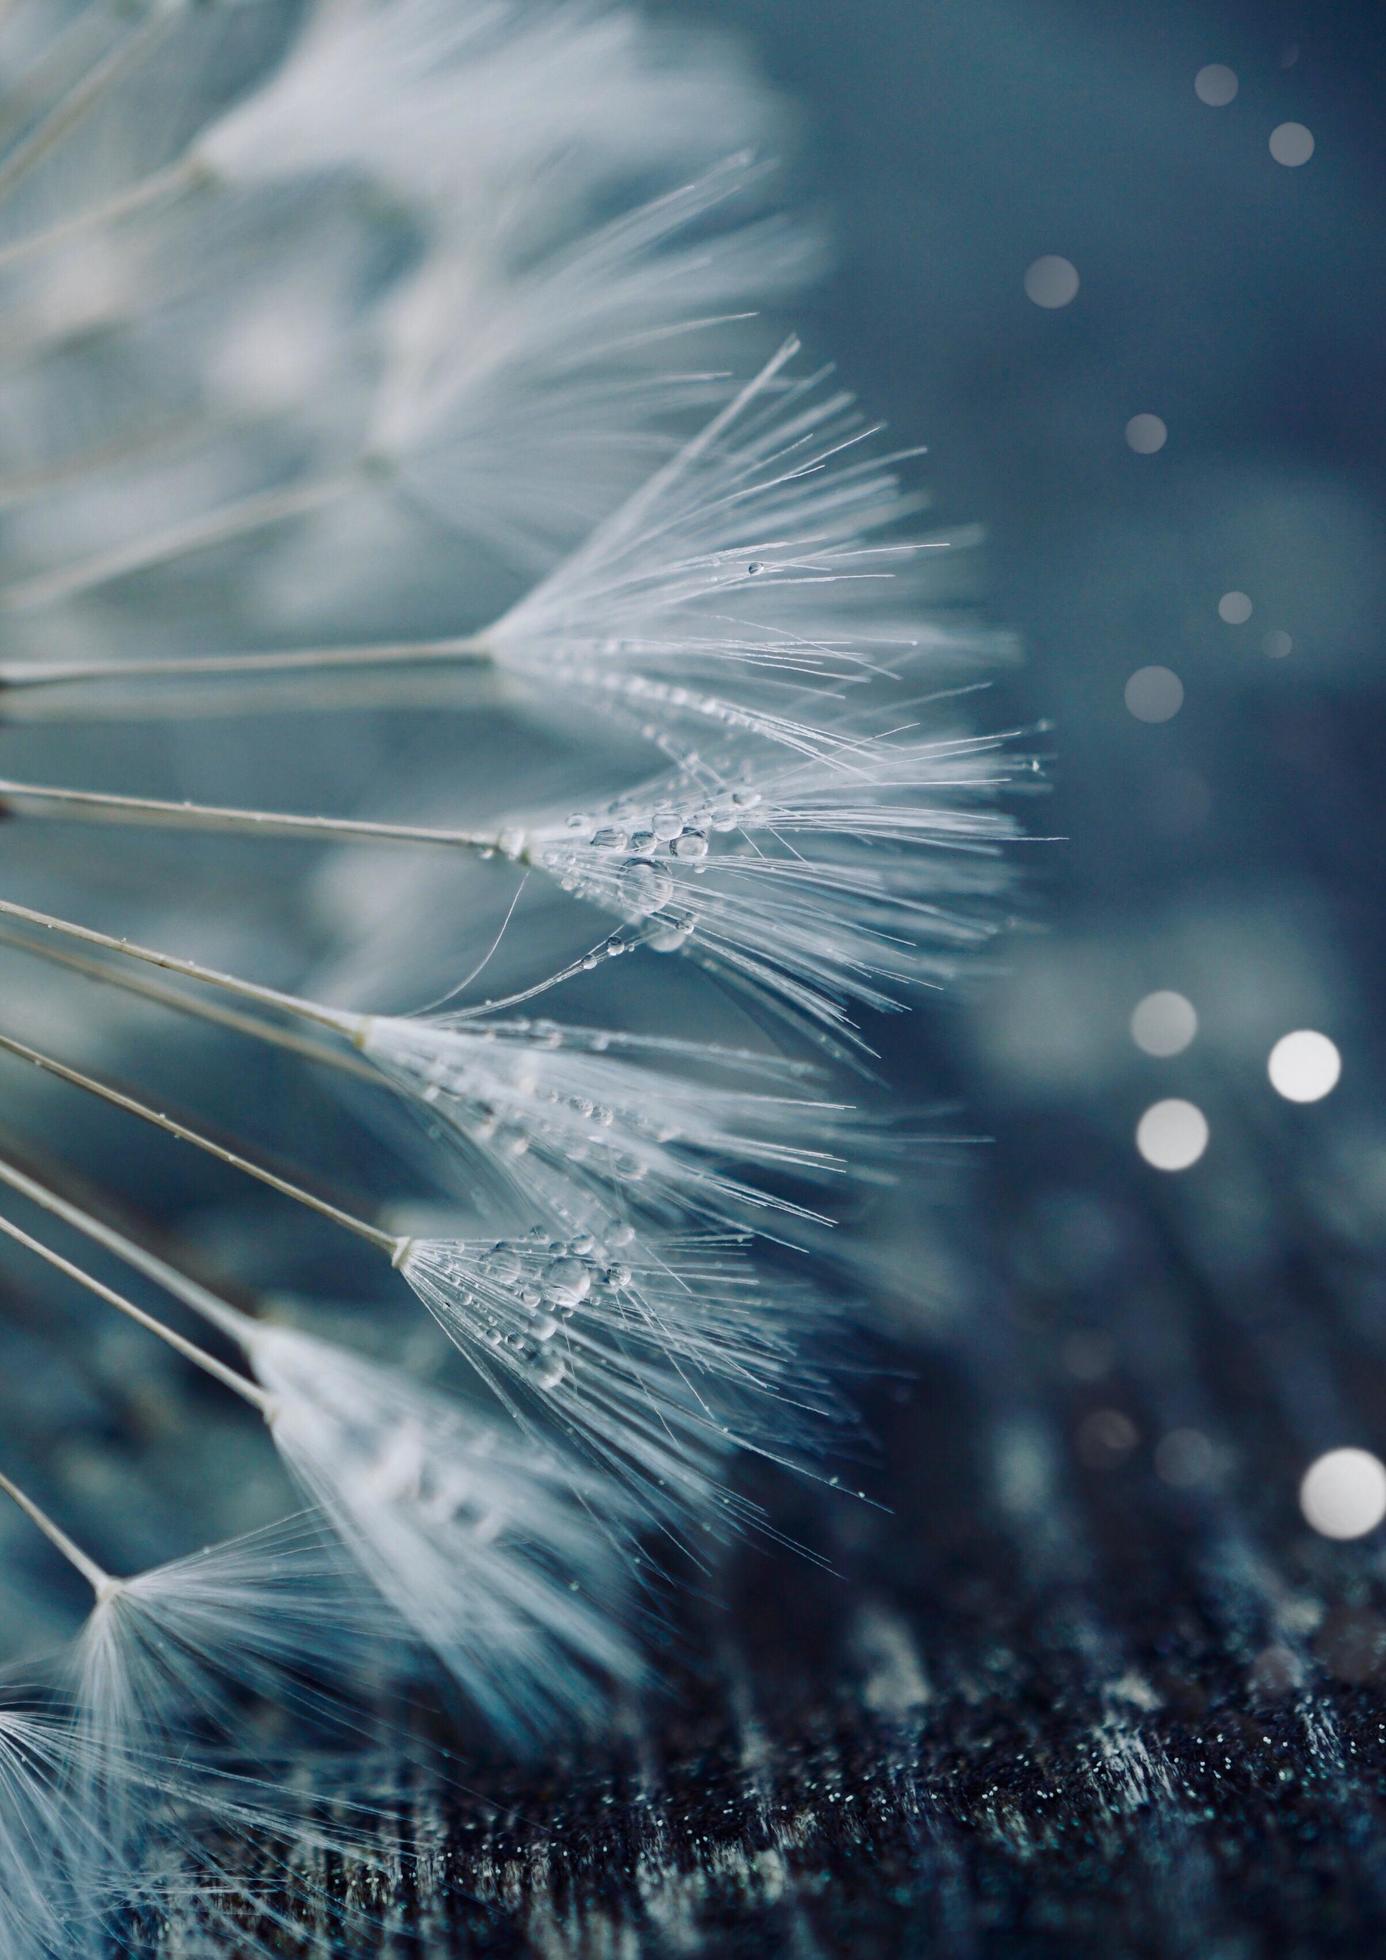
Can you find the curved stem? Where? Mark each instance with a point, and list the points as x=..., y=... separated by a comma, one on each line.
x=386, y=1242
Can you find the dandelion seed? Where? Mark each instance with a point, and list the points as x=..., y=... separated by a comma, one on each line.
x=476, y=1544
x=570, y=1118
x=808, y=883
x=54, y=1873
x=653, y=1363
x=473, y=1543
x=754, y=569
x=808, y=929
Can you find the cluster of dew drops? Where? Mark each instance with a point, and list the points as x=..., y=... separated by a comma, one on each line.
x=633, y=847
x=549, y=1280
x=490, y=1117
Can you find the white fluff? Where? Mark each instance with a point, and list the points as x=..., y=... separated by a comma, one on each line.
x=654, y=1360
x=749, y=581
x=570, y=1118
x=449, y=102
x=333, y=334
x=478, y=1546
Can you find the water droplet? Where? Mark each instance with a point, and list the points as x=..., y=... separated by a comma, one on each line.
x=643, y=887
x=671, y=932
x=567, y=1281
x=549, y=1372
x=691, y=844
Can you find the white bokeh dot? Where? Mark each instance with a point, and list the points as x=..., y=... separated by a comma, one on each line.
x=1154, y=694
x=1234, y=608
x=1291, y=144
x=1216, y=85
x=1304, y=1066
x=1164, y=1023
x=1051, y=281
x=1172, y=1134
x=1343, y=1494
x=1146, y=434
x=1277, y=645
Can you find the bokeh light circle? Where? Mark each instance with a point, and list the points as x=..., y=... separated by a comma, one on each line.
x=1291, y=144
x=1164, y=1023
x=1051, y=281
x=1216, y=85
x=1154, y=694
x=1304, y=1066
x=1146, y=434
x=1343, y=1493
x=1172, y=1135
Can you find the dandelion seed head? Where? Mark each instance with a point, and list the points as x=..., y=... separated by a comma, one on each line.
x=574, y=1118
x=471, y=1540
x=653, y=1358
x=803, y=880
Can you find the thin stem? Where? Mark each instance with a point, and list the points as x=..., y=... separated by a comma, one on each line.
x=72, y=107
x=159, y=186
x=68, y=54
x=256, y=512
x=219, y=1313
x=24, y=485
x=99, y=1581
x=469, y=651
x=201, y=1010
x=386, y=1242
x=228, y=1377
x=341, y=1022
x=100, y=806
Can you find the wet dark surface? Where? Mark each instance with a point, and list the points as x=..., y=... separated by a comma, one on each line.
x=1061, y=1701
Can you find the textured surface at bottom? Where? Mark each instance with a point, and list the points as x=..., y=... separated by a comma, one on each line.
x=1053, y=1704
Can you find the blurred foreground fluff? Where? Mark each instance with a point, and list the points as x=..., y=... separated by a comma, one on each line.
x=407, y=598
